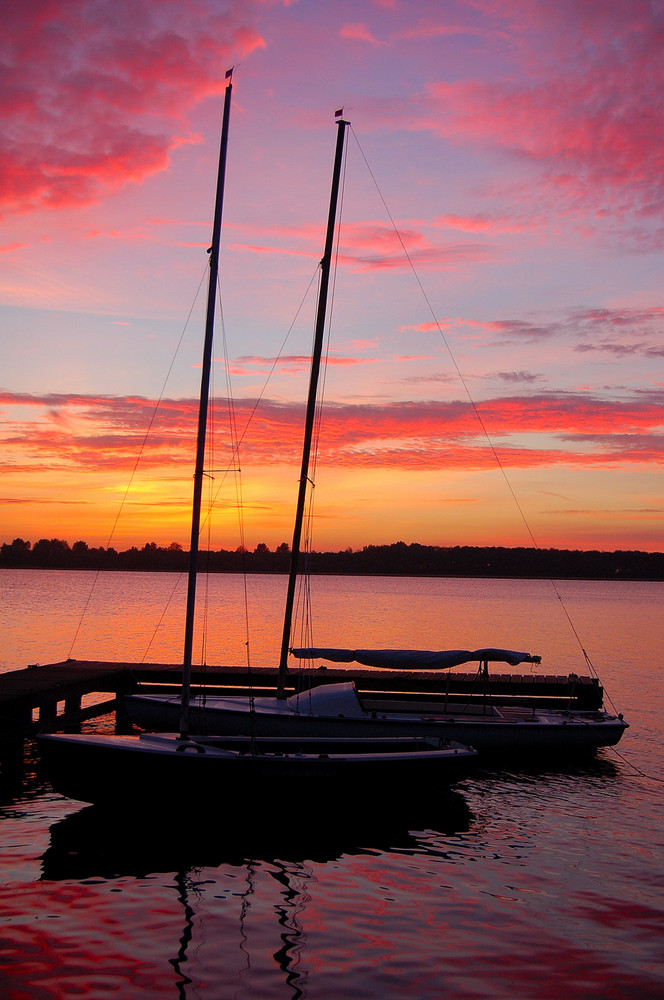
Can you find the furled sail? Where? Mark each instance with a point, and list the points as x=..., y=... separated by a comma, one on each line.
x=414, y=659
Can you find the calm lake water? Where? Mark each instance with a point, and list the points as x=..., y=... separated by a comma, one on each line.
x=520, y=884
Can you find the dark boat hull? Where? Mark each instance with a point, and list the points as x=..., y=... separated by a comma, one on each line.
x=149, y=771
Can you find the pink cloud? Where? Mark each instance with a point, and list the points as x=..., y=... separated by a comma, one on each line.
x=371, y=246
x=288, y=362
x=427, y=29
x=443, y=256
x=482, y=223
x=358, y=32
x=585, y=110
x=95, y=96
x=256, y=248
x=12, y=247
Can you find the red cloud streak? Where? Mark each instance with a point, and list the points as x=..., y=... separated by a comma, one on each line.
x=96, y=433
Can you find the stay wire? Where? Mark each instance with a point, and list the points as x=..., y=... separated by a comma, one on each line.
x=302, y=618
x=466, y=389
x=139, y=456
x=276, y=359
x=236, y=467
x=335, y=271
x=445, y=341
x=236, y=440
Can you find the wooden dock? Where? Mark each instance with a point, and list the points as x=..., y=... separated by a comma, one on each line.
x=47, y=698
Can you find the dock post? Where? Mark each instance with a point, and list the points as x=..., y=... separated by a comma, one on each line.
x=48, y=710
x=16, y=721
x=73, y=707
x=122, y=722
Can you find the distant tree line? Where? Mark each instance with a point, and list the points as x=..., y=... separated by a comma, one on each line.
x=398, y=559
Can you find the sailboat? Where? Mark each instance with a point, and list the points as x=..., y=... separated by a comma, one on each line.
x=154, y=769
x=337, y=709
x=496, y=727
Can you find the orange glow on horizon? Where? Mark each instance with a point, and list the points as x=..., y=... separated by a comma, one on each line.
x=417, y=472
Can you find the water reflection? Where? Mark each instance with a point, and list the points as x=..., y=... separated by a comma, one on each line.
x=247, y=904
x=98, y=842
x=289, y=913
x=593, y=767
x=543, y=882
x=20, y=772
x=183, y=884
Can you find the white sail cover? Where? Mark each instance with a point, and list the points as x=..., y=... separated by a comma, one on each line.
x=414, y=659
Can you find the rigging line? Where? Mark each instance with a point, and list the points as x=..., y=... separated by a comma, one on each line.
x=210, y=451
x=236, y=465
x=178, y=578
x=302, y=613
x=239, y=439
x=139, y=456
x=235, y=468
x=320, y=393
x=278, y=355
x=445, y=341
x=233, y=427
x=464, y=383
x=330, y=311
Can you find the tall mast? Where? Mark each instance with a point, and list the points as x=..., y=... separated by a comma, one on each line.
x=325, y=266
x=203, y=414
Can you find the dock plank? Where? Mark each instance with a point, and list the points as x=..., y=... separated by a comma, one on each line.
x=44, y=687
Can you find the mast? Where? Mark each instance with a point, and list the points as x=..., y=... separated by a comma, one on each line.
x=203, y=414
x=325, y=266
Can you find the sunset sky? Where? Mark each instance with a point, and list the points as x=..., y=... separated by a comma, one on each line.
x=516, y=146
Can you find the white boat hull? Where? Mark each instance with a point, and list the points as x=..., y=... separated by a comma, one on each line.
x=499, y=731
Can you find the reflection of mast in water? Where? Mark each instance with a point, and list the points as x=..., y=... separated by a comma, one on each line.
x=244, y=911
x=294, y=896
x=293, y=935
x=184, y=885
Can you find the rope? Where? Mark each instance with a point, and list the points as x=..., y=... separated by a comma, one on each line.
x=628, y=763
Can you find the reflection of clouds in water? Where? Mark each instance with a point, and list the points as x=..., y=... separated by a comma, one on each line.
x=223, y=875
x=432, y=905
